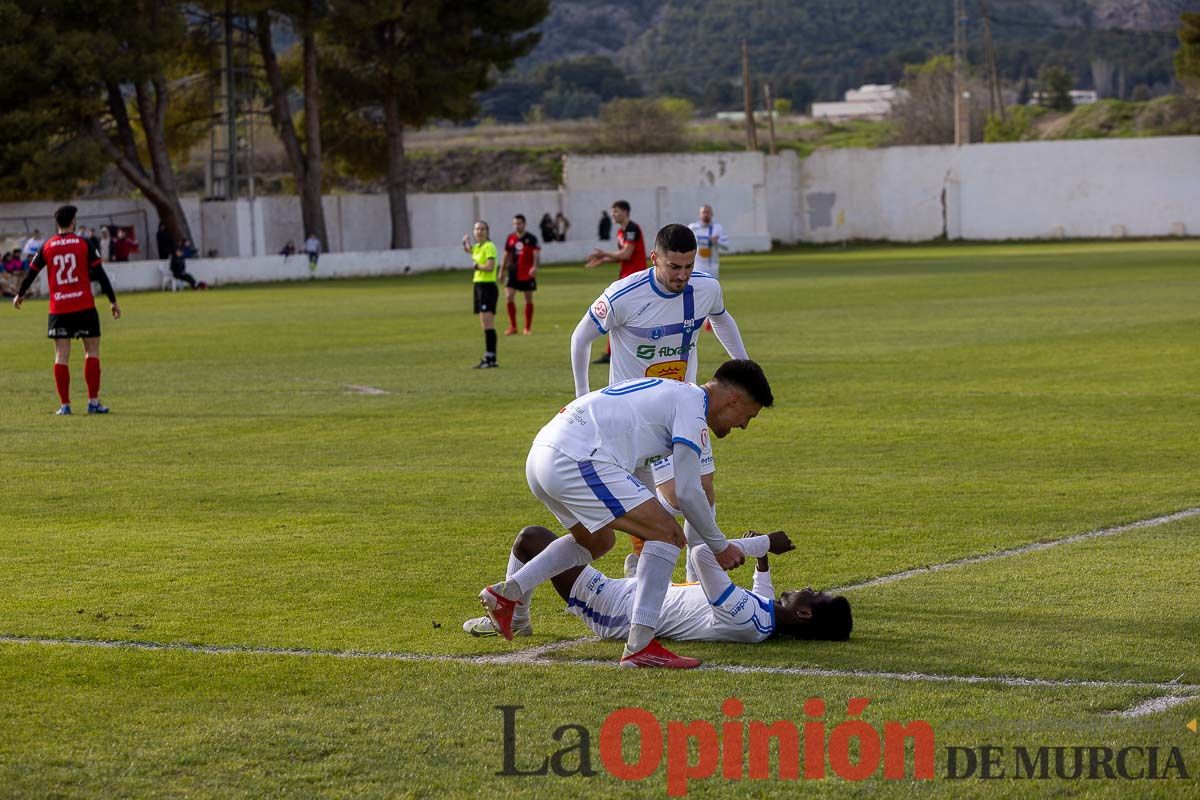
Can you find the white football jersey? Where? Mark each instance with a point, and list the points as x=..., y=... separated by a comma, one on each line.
x=630, y=424
x=737, y=615
x=653, y=333
x=708, y=254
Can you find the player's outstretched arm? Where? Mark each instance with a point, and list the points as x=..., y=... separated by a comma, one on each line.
x=726, y=330
x=585, y=333
x=696, y=510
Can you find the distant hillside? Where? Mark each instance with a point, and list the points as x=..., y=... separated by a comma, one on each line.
x=816, y=49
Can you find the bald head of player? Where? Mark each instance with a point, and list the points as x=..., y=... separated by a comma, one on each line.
x=737, y=392
x=674, y=256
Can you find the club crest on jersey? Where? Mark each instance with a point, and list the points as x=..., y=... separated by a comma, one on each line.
x=601, y=309
x=656, y=333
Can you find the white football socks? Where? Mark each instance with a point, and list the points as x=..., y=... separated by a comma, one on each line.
x=521, y=612
x=653, y=579
x=562, y=554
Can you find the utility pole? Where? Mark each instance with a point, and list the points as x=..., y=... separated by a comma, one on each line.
x=962, y=133
x=748, y=100
x=996, y=98
x=770, y=115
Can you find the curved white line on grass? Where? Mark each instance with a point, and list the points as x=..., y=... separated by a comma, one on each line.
x=1153, y=706
x=536, y=656
x=1019, y=551
x=369, y=390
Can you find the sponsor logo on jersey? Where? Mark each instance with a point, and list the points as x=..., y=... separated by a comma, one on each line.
x=642, y=310
x=704, y=439
x=689, y=325
x=672, y=370
x=648, y=352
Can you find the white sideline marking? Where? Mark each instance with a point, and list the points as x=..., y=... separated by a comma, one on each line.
x=1153, y=706
x=371, y=390
x=536, y=656
x=1019, y=551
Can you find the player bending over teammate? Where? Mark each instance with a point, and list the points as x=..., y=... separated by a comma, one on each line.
x=590, y=466
x=713, y=610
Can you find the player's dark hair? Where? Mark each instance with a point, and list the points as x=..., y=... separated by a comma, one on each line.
x=830, y=622
x=519, y=216
x=622, y=204
x=486, y=228
x=65, y=216
x=675, y=238
x=747, y=376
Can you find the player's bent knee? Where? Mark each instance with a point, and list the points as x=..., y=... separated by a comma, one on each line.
x=599, y=542
x=531, y=540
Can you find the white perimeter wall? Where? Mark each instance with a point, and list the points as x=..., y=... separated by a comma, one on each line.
x=1097, y=188
x=1030, y=190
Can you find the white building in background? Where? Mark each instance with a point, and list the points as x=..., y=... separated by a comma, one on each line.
x=1080, y=97
x=870, y=101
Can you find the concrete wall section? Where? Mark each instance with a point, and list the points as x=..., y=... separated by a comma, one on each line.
x=1097, y=188
x=894, y=194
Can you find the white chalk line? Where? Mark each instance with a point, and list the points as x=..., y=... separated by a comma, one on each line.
x=1019, y=551
x=537, y=656
x=366, y=390
x=1153, y=705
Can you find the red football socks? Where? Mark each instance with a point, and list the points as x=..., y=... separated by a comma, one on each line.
x=512, y=315
x=62, y=382
x=91, y=374
x=528, y=316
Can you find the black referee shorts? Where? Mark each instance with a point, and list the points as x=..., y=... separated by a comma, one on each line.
x=486, y=297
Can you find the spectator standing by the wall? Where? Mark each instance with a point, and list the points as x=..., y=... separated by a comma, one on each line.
x=312, y=246
x=547, y=226
x=289, y=249
x=605, y=231
x=104, y=242
x=561, y=224
x=166, y=245
x=31, y=247
x=123, y=246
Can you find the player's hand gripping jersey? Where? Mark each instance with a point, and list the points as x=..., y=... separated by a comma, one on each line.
x=654, y=332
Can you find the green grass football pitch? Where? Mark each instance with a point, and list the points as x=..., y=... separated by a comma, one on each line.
x=933, y=404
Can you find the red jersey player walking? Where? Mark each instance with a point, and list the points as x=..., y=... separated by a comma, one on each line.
x=73, y=264
x=630, y=254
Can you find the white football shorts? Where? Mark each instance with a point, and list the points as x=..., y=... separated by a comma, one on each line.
x=592, y=492
x=603, y=603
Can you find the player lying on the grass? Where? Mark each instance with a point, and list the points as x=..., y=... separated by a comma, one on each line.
x=713, y=610
x=589, y=467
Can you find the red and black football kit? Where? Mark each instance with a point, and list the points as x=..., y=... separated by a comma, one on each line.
x=632, y=233
x=71, y=264
x=521, y=252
